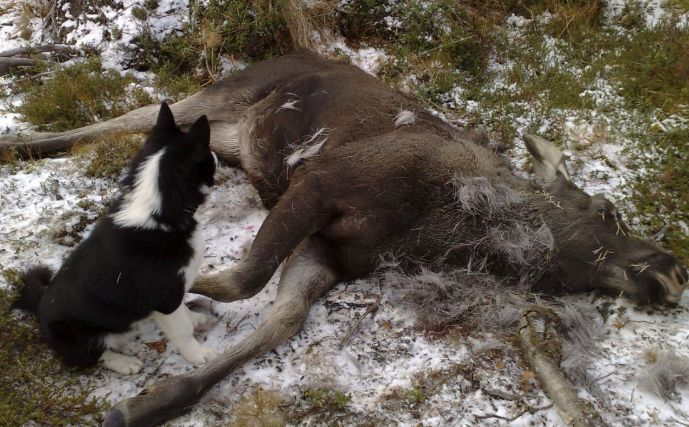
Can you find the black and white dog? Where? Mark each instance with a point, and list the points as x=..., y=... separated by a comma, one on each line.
x=139, y=260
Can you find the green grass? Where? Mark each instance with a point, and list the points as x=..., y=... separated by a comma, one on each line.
x=661, y=191
x=545, y=71
x=107, y=159
x=190, y=58
x=653, y=68
x=34, y=387
x=77, y=95
x=326, y=399
x=261, y=407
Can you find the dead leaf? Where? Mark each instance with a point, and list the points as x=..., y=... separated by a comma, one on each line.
x=159, y=346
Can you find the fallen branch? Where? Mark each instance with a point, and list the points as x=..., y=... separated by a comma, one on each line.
x=499, y=394
x=61, y=48
x=6, y=64
x=528, y=410
x=38, y=144
x=541, y=347
x=371, y=309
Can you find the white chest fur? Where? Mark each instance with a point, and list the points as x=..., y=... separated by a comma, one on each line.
x=191, y=270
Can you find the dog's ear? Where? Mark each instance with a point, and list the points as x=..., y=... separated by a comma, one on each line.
x=165, y=117
x=200, y=132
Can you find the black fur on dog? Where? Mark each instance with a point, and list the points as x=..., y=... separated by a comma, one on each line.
x=134, y=260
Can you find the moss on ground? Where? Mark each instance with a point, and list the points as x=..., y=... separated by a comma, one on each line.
x=660, y=190
x=190, y=58
x=107, y=159
x=76, y=95
x=652, y=67
x=326, y=399
x=34, y=387
x=543, y=72
x=260, y=408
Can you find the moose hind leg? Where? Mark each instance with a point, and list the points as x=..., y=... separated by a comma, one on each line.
x=307, y=276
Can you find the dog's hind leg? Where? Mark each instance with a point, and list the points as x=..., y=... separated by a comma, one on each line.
x=307, y=275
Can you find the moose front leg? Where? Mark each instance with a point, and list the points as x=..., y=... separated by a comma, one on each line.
x=298, y=214
x=307, y=275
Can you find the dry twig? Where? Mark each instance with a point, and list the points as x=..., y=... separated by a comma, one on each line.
x=528, y=409
x=371, y=309
x=541, y=347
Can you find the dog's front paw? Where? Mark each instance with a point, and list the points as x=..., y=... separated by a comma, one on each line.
x=125, y=365
x=197, y=354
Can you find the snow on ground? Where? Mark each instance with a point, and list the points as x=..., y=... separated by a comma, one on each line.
x=42, y=203
x=46, y=205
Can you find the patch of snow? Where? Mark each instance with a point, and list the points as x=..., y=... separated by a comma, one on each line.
x=368, y=59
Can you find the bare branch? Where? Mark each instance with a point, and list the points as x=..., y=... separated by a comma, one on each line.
x=540, y=345
x=529, y=410
x=27, y=50
x=6, y=64
x=371, y=309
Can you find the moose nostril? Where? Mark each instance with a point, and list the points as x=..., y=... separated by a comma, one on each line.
x=673, y=284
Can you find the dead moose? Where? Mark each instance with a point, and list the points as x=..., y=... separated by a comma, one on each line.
x=352, y=170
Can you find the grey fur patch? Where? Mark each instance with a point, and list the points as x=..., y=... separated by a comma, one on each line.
x=478, y=196
x=442, y=299
x=520, y=244
x=309, y=148
x=485, y=304
x=582, y=330
x=668, y=372
x=504, y=228
x=290, y=105
x=405, y=117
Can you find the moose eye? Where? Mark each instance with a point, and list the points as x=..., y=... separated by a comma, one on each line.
x=602, y=212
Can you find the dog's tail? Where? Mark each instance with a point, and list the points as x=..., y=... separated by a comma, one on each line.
x=34, y=283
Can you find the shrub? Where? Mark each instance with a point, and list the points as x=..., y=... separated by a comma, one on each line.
x=77, y=95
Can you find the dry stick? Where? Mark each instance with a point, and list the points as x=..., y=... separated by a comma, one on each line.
x=529, y=410
x=371, y=309
x=6, y=64
x=36, y=49
x=538, y=338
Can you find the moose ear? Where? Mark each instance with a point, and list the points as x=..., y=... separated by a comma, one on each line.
x=200, y=131
x=165, y=118
x=548, y=159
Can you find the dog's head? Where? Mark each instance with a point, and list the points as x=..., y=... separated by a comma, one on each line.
x=169, y=177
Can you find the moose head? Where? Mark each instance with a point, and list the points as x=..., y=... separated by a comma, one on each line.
x=595, y=248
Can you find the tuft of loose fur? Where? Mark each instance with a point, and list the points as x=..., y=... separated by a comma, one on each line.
x=34, y=283
x=506, y=229
x=404, y=118
x=309, y=148
x=442, y=299
x=667, y=372
x=479, y=196
x=485, y=303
